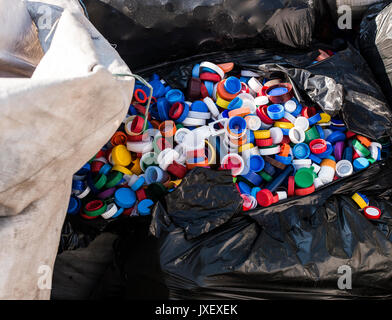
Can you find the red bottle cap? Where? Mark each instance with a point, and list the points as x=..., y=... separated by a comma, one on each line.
x=264, y=198
x=305, y=191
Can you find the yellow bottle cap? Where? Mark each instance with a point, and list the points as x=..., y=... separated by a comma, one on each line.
x=359, y=201
x=136, y=169
x=122, y=169
x=221, y=103
x=245, y=146
x=262, y=134
x=325, y=118
x=121, y=156
x=284, y=125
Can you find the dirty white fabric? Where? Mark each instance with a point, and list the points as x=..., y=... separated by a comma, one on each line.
x=59, y=104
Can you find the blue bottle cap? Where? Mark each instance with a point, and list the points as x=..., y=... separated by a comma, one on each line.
x=105, y=169
x=163, y=106
x=348, y=154
x=232, y=85
x=244, y=188
x=301, y=151
x=144, y=207
x=360, y=164
x=118, y=213
x=158, y=88
x=210, y=87
x=327, y=152
x=225, y=113
x=74, y=205
x=298, y=110
x=199, y=106
x=132, y=110
x=270, y=169
x=335, y=128
x=250, y=136
x=256, y=163
x=336, y=136
x=254, y=191
x=205, y=69
x=78, y=185
x=237, y=124
x=285, y=131
x=235, y=103
x=337, y=122
x=244, y=79
x=284, y=160
x=196, y=71
x=275, y=111
x=253, y=178
x=184, y=113
x=315, y=158
x=174, y=95
x=313, y=120
x=153, y=174
x=320, y=131
x=125, y=197
x=84, y=170
x=138, y=184
x=154, y=76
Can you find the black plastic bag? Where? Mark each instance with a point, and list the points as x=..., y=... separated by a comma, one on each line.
x=208, y=248
x=375, y=41
x=151, y=32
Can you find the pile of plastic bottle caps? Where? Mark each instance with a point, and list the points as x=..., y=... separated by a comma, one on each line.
x=225, y=120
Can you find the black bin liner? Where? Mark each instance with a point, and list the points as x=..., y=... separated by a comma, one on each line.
x=375, y=41
x=209, y=249
x=155, y=31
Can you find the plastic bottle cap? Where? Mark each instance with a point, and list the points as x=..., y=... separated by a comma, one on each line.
x=360, y=164
x=232, y=85
x=318, y=146
x=261, y=101
x=264, y=197
x=144, y=207
x=275, y=111
x=290, y=106
x=121, y=156
x=344, y=168
x=372, y=212
x=296, y=135
x=301, y=151
x=276, y=134
x=302, y=122
x=304, y=177
x=360, y=200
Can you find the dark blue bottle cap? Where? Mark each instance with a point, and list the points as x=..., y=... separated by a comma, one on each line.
x=284, y=160
x=348, y=154
x=225, y=113
x=336, y=136
x=341, y=129
x=313, y=120
x=244, y=188
x=327, y=152
x=84, y=170
x=199, y=106
x=320, y=131
x=78, y=185
x=270, y=169
x=253, y=178
x=298, y=110
x=74, y=205
x=232, y=85
x=163, y=106
x=256, y=163
x=315, y=158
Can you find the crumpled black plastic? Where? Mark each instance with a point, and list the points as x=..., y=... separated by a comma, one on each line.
x=155, y=31
x=375, y=42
